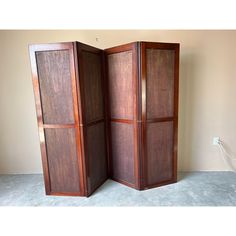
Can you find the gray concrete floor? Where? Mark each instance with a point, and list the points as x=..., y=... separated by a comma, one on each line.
x=192, y=189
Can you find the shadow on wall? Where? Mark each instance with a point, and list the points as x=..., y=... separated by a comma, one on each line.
x=189, y=65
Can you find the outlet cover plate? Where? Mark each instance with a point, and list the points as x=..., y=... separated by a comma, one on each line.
x=215, y=140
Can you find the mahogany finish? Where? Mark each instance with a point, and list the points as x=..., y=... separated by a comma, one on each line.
x=55, y=82
x=160, y=73
x=69, y=96
x=159, y=152
x=142, y=92
x=62, y=160
x=160, y=83
x=96, y=153
x=91, y=65
x=122, y=84
x=122, y=142
x=111, y=113
x=91, y=76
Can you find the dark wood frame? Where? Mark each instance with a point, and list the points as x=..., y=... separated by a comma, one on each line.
x=167, y=46
x=140, y=121
x=134, y=48
x=80, y=124
x=41, y=126
x=79, y=48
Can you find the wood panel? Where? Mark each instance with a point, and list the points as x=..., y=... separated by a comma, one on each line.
x=122, y=142
x=55, y=86
x=92, y=110
x=121, y=85
x=91, y=64
x=55, y=63
x=160, y=83
x=159, y=152
x=140, y=123
x=122, y=102
x=159, y=70
x=68, y=86
x=96, y=155
x=62, y=160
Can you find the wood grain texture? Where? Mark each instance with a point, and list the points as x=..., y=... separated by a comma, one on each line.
x=92, y=114
x=141, y=114
x=176, y=110
x=41, y=48
x=55, y=86
x=91, y=64
x=96, y=155
x=159, y=152
x=62, y=160
x=120, y=85
x=160, y=83
x=159, y=73
x=61, y=97
x=122, y=142
x=142, y=105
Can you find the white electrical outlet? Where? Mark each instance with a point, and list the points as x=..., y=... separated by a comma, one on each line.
x=215, y=140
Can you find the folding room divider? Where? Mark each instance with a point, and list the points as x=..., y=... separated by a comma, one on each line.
x=106, y=114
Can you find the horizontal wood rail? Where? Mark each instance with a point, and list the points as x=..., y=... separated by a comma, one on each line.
x=122, y=121
x=162, y=119
x=54, y=126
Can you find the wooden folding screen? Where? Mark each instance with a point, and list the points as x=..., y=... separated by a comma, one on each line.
x=69, y=96
x=131, y=136
x=122, y=84
x=142, y=92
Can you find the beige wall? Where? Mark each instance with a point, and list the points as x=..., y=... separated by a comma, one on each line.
x=207, y=93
